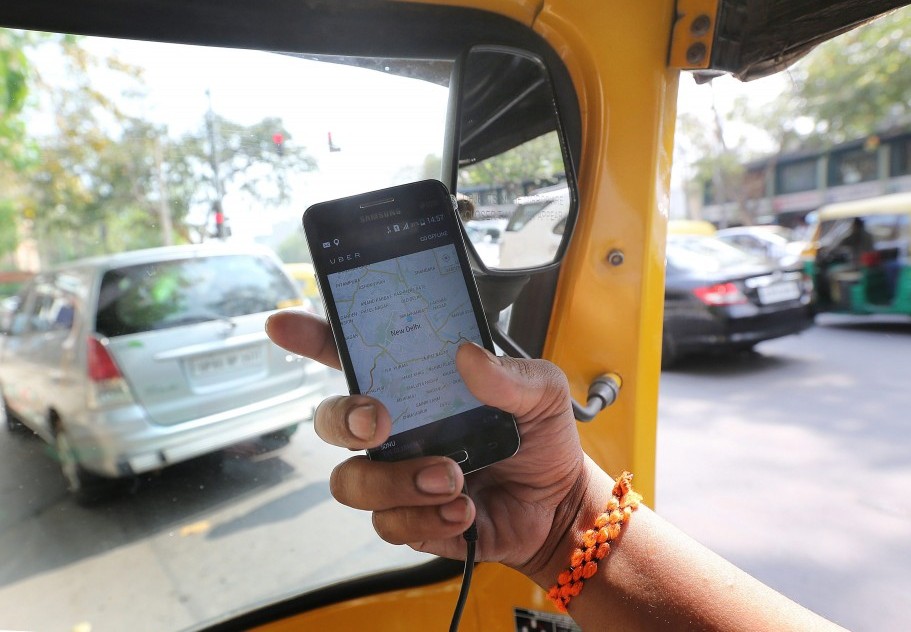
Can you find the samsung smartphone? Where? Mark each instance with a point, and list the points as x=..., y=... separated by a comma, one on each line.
x=400, y=297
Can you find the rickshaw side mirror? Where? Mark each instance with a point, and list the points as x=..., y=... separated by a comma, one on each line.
x=511, y=161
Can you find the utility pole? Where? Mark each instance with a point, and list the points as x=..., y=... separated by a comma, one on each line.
x=217, y=207
x=164, y=213
x=719, y=179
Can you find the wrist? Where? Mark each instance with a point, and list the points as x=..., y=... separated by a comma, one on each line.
x=576, y=514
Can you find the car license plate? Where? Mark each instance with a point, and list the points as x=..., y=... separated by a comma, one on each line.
x=226, y=362
x=779, y=292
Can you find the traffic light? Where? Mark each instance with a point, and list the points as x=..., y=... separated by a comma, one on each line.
x=278, y=139
x=222, y=230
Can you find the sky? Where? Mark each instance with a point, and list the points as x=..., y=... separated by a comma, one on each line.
x=697, y=99
x=384, y=125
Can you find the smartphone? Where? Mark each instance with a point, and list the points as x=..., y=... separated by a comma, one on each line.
x=400, y=298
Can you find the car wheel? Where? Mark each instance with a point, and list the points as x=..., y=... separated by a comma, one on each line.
x=279, y=438
x=86, y=488
x=7, y=417
x=669, y=352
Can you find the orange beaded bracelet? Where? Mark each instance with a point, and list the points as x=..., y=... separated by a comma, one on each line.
x=583, y=562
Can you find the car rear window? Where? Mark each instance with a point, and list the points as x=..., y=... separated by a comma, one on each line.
x=160, y=295
x=705, y=254
x=523, y=214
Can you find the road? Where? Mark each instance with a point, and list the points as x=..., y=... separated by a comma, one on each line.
x=793, y=463
x=188, y=545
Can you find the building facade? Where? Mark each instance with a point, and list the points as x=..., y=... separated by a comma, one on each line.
x=786, y=188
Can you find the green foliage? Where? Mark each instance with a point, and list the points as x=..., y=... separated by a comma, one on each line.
x=715, y=169
x=538, y=159
x=853, y=86
x=860, y=82
x=248, y=161
x=9, y=289
x=432, y=167
x=850, y=87
x=8, y=229
x=13, y=90
x=294, y=249
x=14, y=150
x=104, y=180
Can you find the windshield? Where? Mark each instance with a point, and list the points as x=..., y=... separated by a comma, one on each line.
x=705, y=254
x=130, y=145
x=154, y=296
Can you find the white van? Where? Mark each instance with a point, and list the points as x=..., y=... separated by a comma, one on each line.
x=134, y=361
x=535, y=229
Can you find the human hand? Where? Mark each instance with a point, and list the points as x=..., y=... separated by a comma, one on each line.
x=523, y=505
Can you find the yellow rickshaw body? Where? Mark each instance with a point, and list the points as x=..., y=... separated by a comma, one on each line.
x=303, y=275
x=605, y=317
x=623, y=62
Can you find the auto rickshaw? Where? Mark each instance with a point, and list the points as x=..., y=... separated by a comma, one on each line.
x=601, y=78
x=858, y=256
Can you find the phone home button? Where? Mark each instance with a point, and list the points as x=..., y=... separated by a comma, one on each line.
x=459, y=457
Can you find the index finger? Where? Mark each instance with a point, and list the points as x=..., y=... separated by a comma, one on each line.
x=304, y=334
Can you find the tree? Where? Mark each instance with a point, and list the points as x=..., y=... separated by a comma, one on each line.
x=714, y=169
x=244, y=161
x=859, y=83
x=294, y=248
x=850, y=87
x=853, y=86
x=64, y=169
x=109, y=181
x=537, y=159
x=91, y=177
x=13, y=151
x=13, y=90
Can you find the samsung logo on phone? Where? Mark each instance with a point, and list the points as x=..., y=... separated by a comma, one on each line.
x=344, y=258
x=372, y=217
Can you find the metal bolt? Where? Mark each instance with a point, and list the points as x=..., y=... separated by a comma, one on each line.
x=695, y=53
x=701, y=25
x=615, y=257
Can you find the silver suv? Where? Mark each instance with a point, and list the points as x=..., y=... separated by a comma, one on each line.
x=131, y=362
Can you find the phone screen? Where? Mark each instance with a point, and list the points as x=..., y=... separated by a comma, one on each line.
x=403, y=320
x=401, y=300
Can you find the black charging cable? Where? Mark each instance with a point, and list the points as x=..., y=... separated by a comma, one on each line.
x=471, y=539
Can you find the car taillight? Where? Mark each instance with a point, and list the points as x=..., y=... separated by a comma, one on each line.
x=101, y=365
x=720, y=294
x=106, y=387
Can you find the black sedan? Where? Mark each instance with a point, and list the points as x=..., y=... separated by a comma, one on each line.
x=719, y=298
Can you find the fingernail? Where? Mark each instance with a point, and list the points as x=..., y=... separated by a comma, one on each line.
x=490, y=355
x=436, y=479
x=456, y=511
x=362, y=421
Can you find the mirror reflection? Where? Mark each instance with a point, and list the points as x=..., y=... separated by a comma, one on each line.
x=512, y=183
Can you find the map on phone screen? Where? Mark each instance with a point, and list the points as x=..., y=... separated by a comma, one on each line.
x=403, y=320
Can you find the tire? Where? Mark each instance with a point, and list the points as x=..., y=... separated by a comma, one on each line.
x=748, y=349
x=8, y=419
x=279, y=438
x=670, y=355
x=85, y=487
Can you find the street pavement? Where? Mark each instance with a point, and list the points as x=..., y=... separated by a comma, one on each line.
x=793, y=462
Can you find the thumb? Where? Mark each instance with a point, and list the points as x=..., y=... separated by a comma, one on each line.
x=521, y=387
